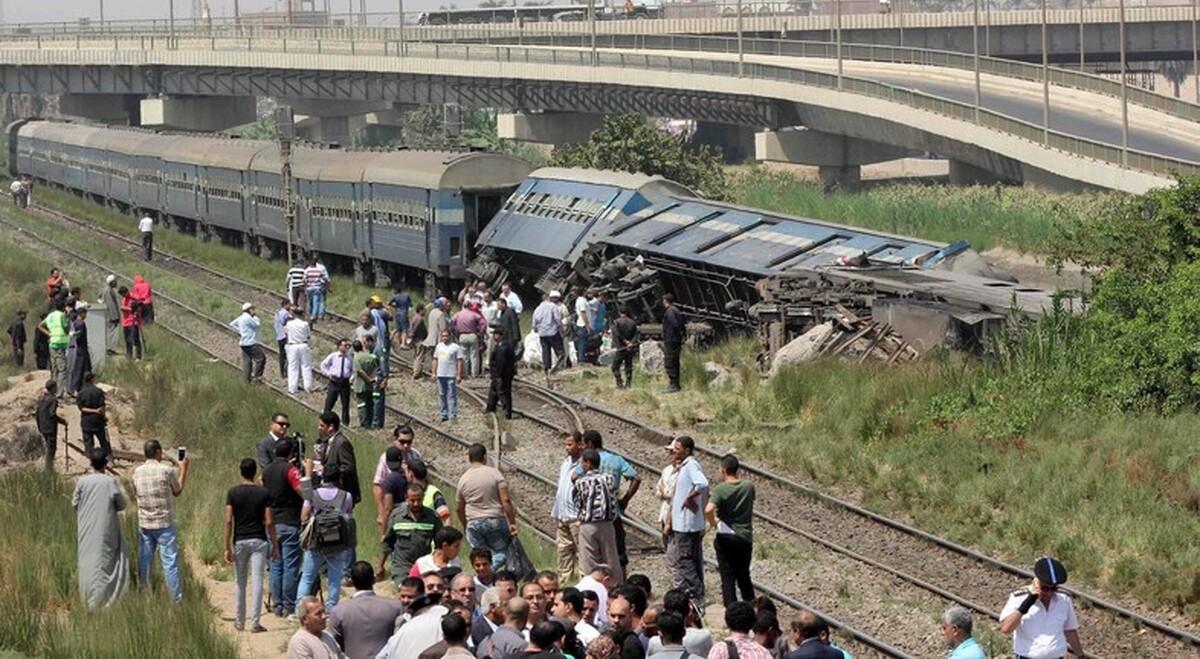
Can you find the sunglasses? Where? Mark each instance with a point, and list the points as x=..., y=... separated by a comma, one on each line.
x=285, y=424
x=405, y=442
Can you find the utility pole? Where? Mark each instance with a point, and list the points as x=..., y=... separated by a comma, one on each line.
x=1124, y=95
x=987, y=29
x=592, y=21
x=741, y=49
x=101, y=13
x=400, y=8
x=900, y=18
x=1045, y=81
x=1195, y=59
x=171, y=20
x=1081, y=58
x=838, y=14
x=975, y=48
x=286, y=128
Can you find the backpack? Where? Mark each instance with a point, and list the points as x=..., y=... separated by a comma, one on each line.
x=328, y=527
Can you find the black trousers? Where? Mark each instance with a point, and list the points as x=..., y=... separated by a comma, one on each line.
x=282, y=343
x=671, y=362
x=733, y=563
x=133, y=341
x=622, y=552
x=623, y=360
x=148, y=244
x=339, y=389
x=51, y=440
x=90, y=437
x=19, y=357
x=500, y=392
x=254, y=360
x=554, y=343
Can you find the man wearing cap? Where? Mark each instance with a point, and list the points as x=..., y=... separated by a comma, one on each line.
x=112, y=315
x=502, y=367
x=1041, y=619
x=547, y=323
x=253, y=357
x=338, y=367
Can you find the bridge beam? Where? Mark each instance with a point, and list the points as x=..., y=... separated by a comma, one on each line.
x=198, y=113
x=106, y=108
x=838, y=158
x=547, y=128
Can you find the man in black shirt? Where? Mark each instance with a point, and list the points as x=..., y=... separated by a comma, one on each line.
x=510, y=324
x=48, y=420
x=282, y=480
x=249, y=523
x=93, y=415
x=17, y=338
x=674, y=330
x=502, y=367
x=41, y=348
x=82, y=364
x=624, y=341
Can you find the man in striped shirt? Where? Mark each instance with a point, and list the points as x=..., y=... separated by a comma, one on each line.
x=314, y=289
x=596, y=507
x=295, y=285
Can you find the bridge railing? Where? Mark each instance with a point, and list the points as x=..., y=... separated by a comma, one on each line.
x=20, y=53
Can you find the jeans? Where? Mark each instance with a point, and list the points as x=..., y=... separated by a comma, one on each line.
x=448, y=397
x=316, y=303
x=133, y=342
x=581, y=344
x=493, y=533
x=339, y=566
x=285, y=570
x=383, y=353
x=249, y=558
x=366, y=408
x=90, y=437
x=733, y=562
x=254, y=360
x=168, y=552
x=685, y=563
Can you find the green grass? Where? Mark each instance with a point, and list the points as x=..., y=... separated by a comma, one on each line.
x=998, y=457
x=1023, y=219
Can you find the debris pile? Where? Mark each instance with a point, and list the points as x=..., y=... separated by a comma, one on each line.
x=848, y=335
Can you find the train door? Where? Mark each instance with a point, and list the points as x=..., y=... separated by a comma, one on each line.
x=478, y=209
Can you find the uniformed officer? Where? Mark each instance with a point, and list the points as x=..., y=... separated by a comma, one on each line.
x=1041, y=619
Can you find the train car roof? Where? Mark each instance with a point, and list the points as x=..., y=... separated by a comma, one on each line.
x=756, y=241
x=435, y=170
x=227, y=153
x=628, y=180
x=61, y=131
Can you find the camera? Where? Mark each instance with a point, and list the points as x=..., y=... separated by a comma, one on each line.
x=298, y=440
x=182, y=453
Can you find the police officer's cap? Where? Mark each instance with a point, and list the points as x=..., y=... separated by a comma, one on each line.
x=1049, y=571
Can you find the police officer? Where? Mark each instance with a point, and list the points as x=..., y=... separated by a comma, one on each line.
x=674, y=331
x=502, y=367
x=1041, y=619
x=624, y=342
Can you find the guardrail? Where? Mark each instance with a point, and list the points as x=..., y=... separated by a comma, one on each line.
x=1034, y=133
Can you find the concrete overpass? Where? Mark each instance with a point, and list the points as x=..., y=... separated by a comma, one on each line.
x=867, y=112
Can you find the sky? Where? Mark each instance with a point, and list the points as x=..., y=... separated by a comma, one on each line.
x=72, y=10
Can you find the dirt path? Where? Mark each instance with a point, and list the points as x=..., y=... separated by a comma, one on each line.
x=219, y=584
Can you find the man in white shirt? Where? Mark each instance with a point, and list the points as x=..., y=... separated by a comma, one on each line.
x=423, y=629
x=685, y=546
x=1041, y=619
x=338, y=366
x=254, y=360
x=448, y=365
x=598, y=582
x=146, y=226
x=299, y=355
x=510, y=296
x=547, y=323
x=563, y=510
x=583, y=325
x=568, y=603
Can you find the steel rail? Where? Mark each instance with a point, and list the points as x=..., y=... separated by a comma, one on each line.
x=859, y=635
x=565, y=400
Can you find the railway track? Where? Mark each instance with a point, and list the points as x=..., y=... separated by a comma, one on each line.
x=533, y=490
x=791, y=512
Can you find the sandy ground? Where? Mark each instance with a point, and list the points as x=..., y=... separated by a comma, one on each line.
x=1032, y=269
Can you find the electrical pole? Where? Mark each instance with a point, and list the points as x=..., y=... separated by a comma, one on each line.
x=741, y=50
x=171, y=20
x=592, y=20
x=1124, y=95
x=838, y=14
x=1081, y=58
x=285, y=127
x=1045, y=81
x=1195, y=58
x=975, y=47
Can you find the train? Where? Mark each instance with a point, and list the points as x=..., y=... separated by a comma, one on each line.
x=435, y=218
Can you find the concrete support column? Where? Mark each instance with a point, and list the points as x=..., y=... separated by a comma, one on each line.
x=735, y=143
x=198, y=113
x=119, y=109
x=548, y=128
x=964, y=173
x=840, y=177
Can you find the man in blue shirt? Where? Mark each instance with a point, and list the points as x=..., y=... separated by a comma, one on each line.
x=253, y=357
x=685, y=548
x=281, y=318
x=400, y=303
x=956, y=629
x=617, y=468
x=381, y=318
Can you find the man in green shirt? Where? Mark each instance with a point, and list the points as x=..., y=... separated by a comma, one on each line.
x=409, y=532
x=731, y=510
x=366, y=371
x=55, y=327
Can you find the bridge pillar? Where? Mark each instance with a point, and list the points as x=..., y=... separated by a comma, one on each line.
x=547, y=128
x=198, y=113
x=838, y=157
x=964, y=173
x=107, y=108
x=735, y=143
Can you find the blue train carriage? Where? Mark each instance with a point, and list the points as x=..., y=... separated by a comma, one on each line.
x=555, y=214
x=711, y=256
x=31, y=152
x=267, y=232
x=425, y=211
x=225, y=178
x=149, y=190
x=331, y=185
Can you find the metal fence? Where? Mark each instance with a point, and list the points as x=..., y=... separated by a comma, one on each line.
x=43, y=50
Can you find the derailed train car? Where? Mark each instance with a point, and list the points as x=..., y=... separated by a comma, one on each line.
x=385, y=215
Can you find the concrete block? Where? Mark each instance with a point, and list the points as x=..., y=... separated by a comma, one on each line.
x=811, y=147
x=547, y=127
x=198, y=113
x=107, y=108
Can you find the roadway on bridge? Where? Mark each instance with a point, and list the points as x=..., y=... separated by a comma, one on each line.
x=1074, y=112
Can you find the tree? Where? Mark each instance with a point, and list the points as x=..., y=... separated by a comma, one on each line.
x=626, y=142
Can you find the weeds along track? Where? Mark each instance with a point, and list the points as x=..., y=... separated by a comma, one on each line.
x=525, y=461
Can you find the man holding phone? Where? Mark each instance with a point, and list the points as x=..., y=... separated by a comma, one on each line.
x=156, y=485
x=1041, y=619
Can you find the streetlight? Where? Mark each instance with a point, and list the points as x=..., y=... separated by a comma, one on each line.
x=1195, y=59
x=1045, y=81
x=400, y=11
x=741, y=50
x=1124, y=95
x=838, y=15
x=975, y=48
x=1081, y=58
x=171, y=22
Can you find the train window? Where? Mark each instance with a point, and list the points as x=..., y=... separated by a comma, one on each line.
x=455, y=246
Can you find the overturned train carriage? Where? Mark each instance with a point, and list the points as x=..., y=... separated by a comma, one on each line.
x=382, y=214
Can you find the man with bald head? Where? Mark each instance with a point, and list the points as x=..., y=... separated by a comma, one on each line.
x=493, y=605
x=311, y=641
x=508, y=639
x=810, y=635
